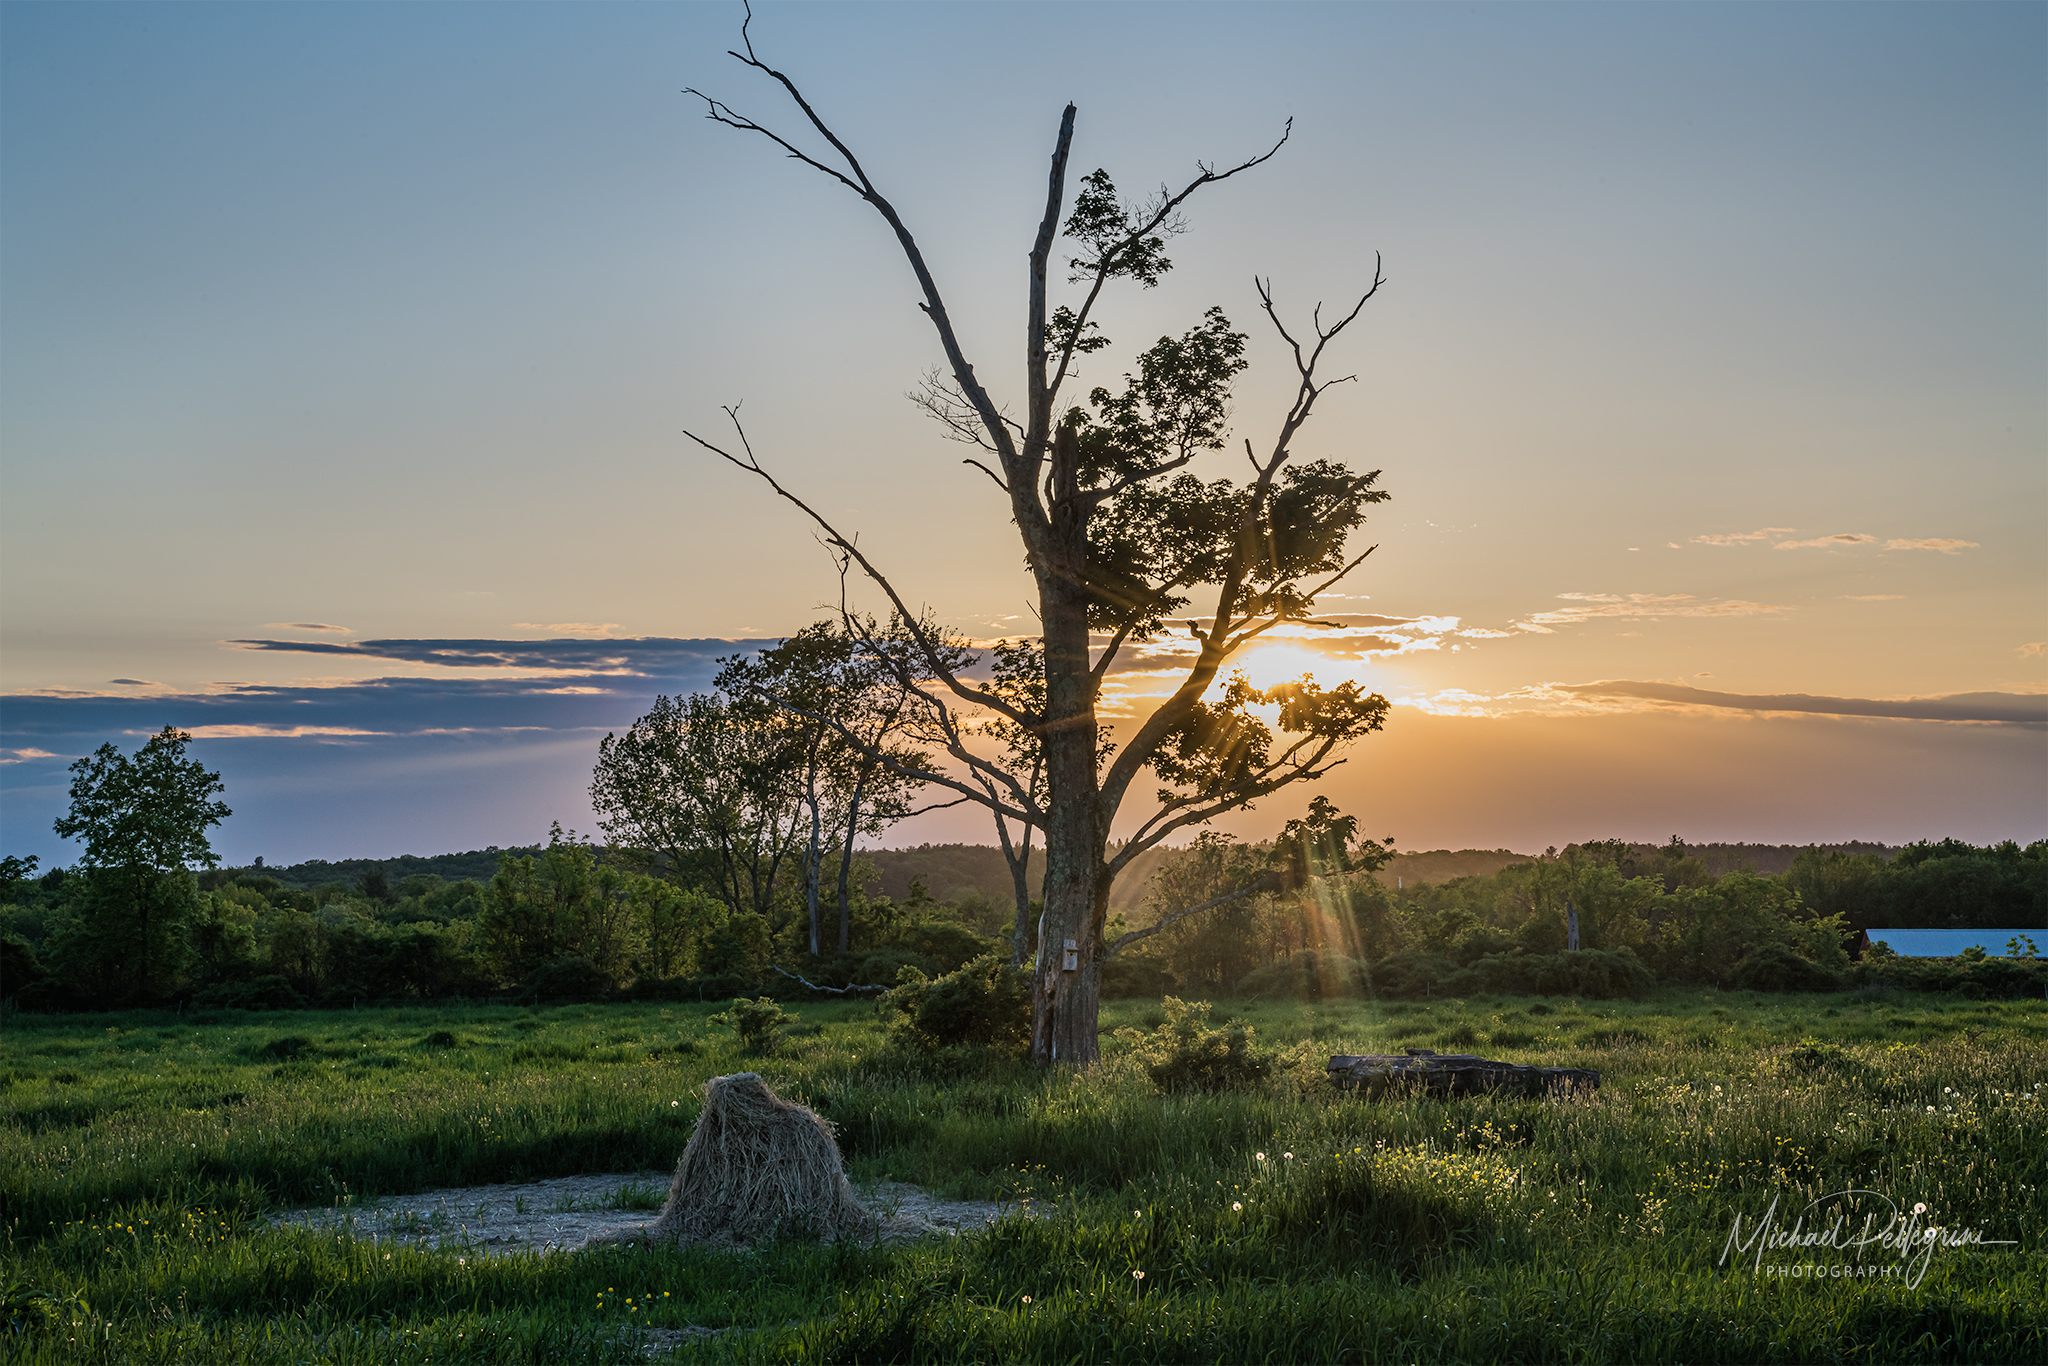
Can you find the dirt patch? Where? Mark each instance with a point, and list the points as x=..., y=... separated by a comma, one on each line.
x=566, y=1213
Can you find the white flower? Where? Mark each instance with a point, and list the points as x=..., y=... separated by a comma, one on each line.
x=1237, y=1204
x=1260, y=1156
x=1920, y=1207
x=1288, y=1156
x=674, y=1104
x=1137, y=1275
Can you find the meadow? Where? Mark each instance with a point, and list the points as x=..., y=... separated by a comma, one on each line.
x=141, y=1154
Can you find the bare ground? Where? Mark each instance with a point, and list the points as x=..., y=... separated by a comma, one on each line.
x=568, y=1212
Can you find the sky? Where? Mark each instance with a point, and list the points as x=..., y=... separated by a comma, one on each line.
x=347, y=351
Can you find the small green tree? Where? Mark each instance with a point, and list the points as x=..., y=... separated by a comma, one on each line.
x=143, y=819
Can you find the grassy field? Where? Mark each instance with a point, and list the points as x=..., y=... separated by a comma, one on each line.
x=140, y=1154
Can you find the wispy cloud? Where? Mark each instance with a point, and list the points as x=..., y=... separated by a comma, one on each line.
x=2018, y=709
x=641, y=656
x=570, y=628
x=1740, y=537
x=1640, y=606
x=1835, y=542
x=2034, y=649
x=273, y=731
x=1872, y=597
x=306, y=626
x=1843, y=540
x=1937, y=543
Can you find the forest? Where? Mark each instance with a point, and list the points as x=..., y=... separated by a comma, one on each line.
x=571, y=921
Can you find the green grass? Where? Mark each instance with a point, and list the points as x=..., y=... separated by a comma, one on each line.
x=141, y=1153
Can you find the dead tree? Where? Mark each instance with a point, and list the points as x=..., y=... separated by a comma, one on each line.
x=1120, y=536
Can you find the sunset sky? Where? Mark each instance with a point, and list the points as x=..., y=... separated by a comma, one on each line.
x=346, y=353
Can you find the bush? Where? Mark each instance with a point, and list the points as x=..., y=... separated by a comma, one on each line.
x=2009, y=978
x=1603, y=974
x=758, y=1022
x=270, y=992
x=1773, y=967
x=1186, y=1053
x=944, y=946
x=984, y=1004
x=1135, y=978
x=1410, y=974
x=1306, y=976
x=569, y=979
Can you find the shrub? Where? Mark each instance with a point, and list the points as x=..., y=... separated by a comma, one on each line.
x=1773, y=967
x=1127, y=978
x=270, y=992
x=569, y=979
x=1602, y=974
x=1186, y=1053
x=1410, y=973
x=945, y=947
x=1306, y=976
x=983, y=1004
x=758, y=1022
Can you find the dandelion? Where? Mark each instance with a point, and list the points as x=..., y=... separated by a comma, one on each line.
x=1920, y=1207
x=1137, y=1275
x=1288, y=1156
x=675, y=1105
x=1260, y=1156
x=1930, y=1109
x=1237, y=1205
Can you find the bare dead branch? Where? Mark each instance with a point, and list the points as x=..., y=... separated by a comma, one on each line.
x=1264, y=884
x=815, y=987
x=845, y=545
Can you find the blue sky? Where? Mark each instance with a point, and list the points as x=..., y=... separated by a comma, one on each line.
x=1710, y=359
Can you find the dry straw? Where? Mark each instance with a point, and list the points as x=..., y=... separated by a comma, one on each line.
x=757, y=1166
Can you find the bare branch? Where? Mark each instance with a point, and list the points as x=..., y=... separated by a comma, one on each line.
x=815, y=987
x=979, y=696
x=1267, y=883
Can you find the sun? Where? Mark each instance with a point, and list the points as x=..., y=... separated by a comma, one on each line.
x=1270, y=665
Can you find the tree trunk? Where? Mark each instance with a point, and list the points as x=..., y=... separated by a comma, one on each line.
x=846, y=860
x=1065, y=1000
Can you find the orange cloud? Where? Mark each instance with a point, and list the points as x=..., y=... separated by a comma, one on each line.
x=1834, y=542
x=1937, y=543
x=1740, y=537
x=1635, y=606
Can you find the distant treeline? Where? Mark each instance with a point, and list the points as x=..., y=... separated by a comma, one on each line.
x=1441, y=865
x=477, y=865
x=567, y=921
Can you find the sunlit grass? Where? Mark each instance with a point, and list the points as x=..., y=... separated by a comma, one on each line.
x=140, y=1155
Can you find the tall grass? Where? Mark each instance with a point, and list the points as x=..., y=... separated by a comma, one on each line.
x=141, y=1154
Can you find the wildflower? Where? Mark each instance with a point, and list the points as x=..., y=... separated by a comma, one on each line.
x=1137, y=1275
x=1027, y=1299
x=1237, y=1204
x=1288, y=1156
x=1920, y=1207
x=1260, y=1156
x=675, y=1104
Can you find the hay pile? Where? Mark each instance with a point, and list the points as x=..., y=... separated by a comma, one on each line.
x=757, y=1166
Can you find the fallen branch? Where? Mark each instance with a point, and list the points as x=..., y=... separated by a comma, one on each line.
x=815, y=987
